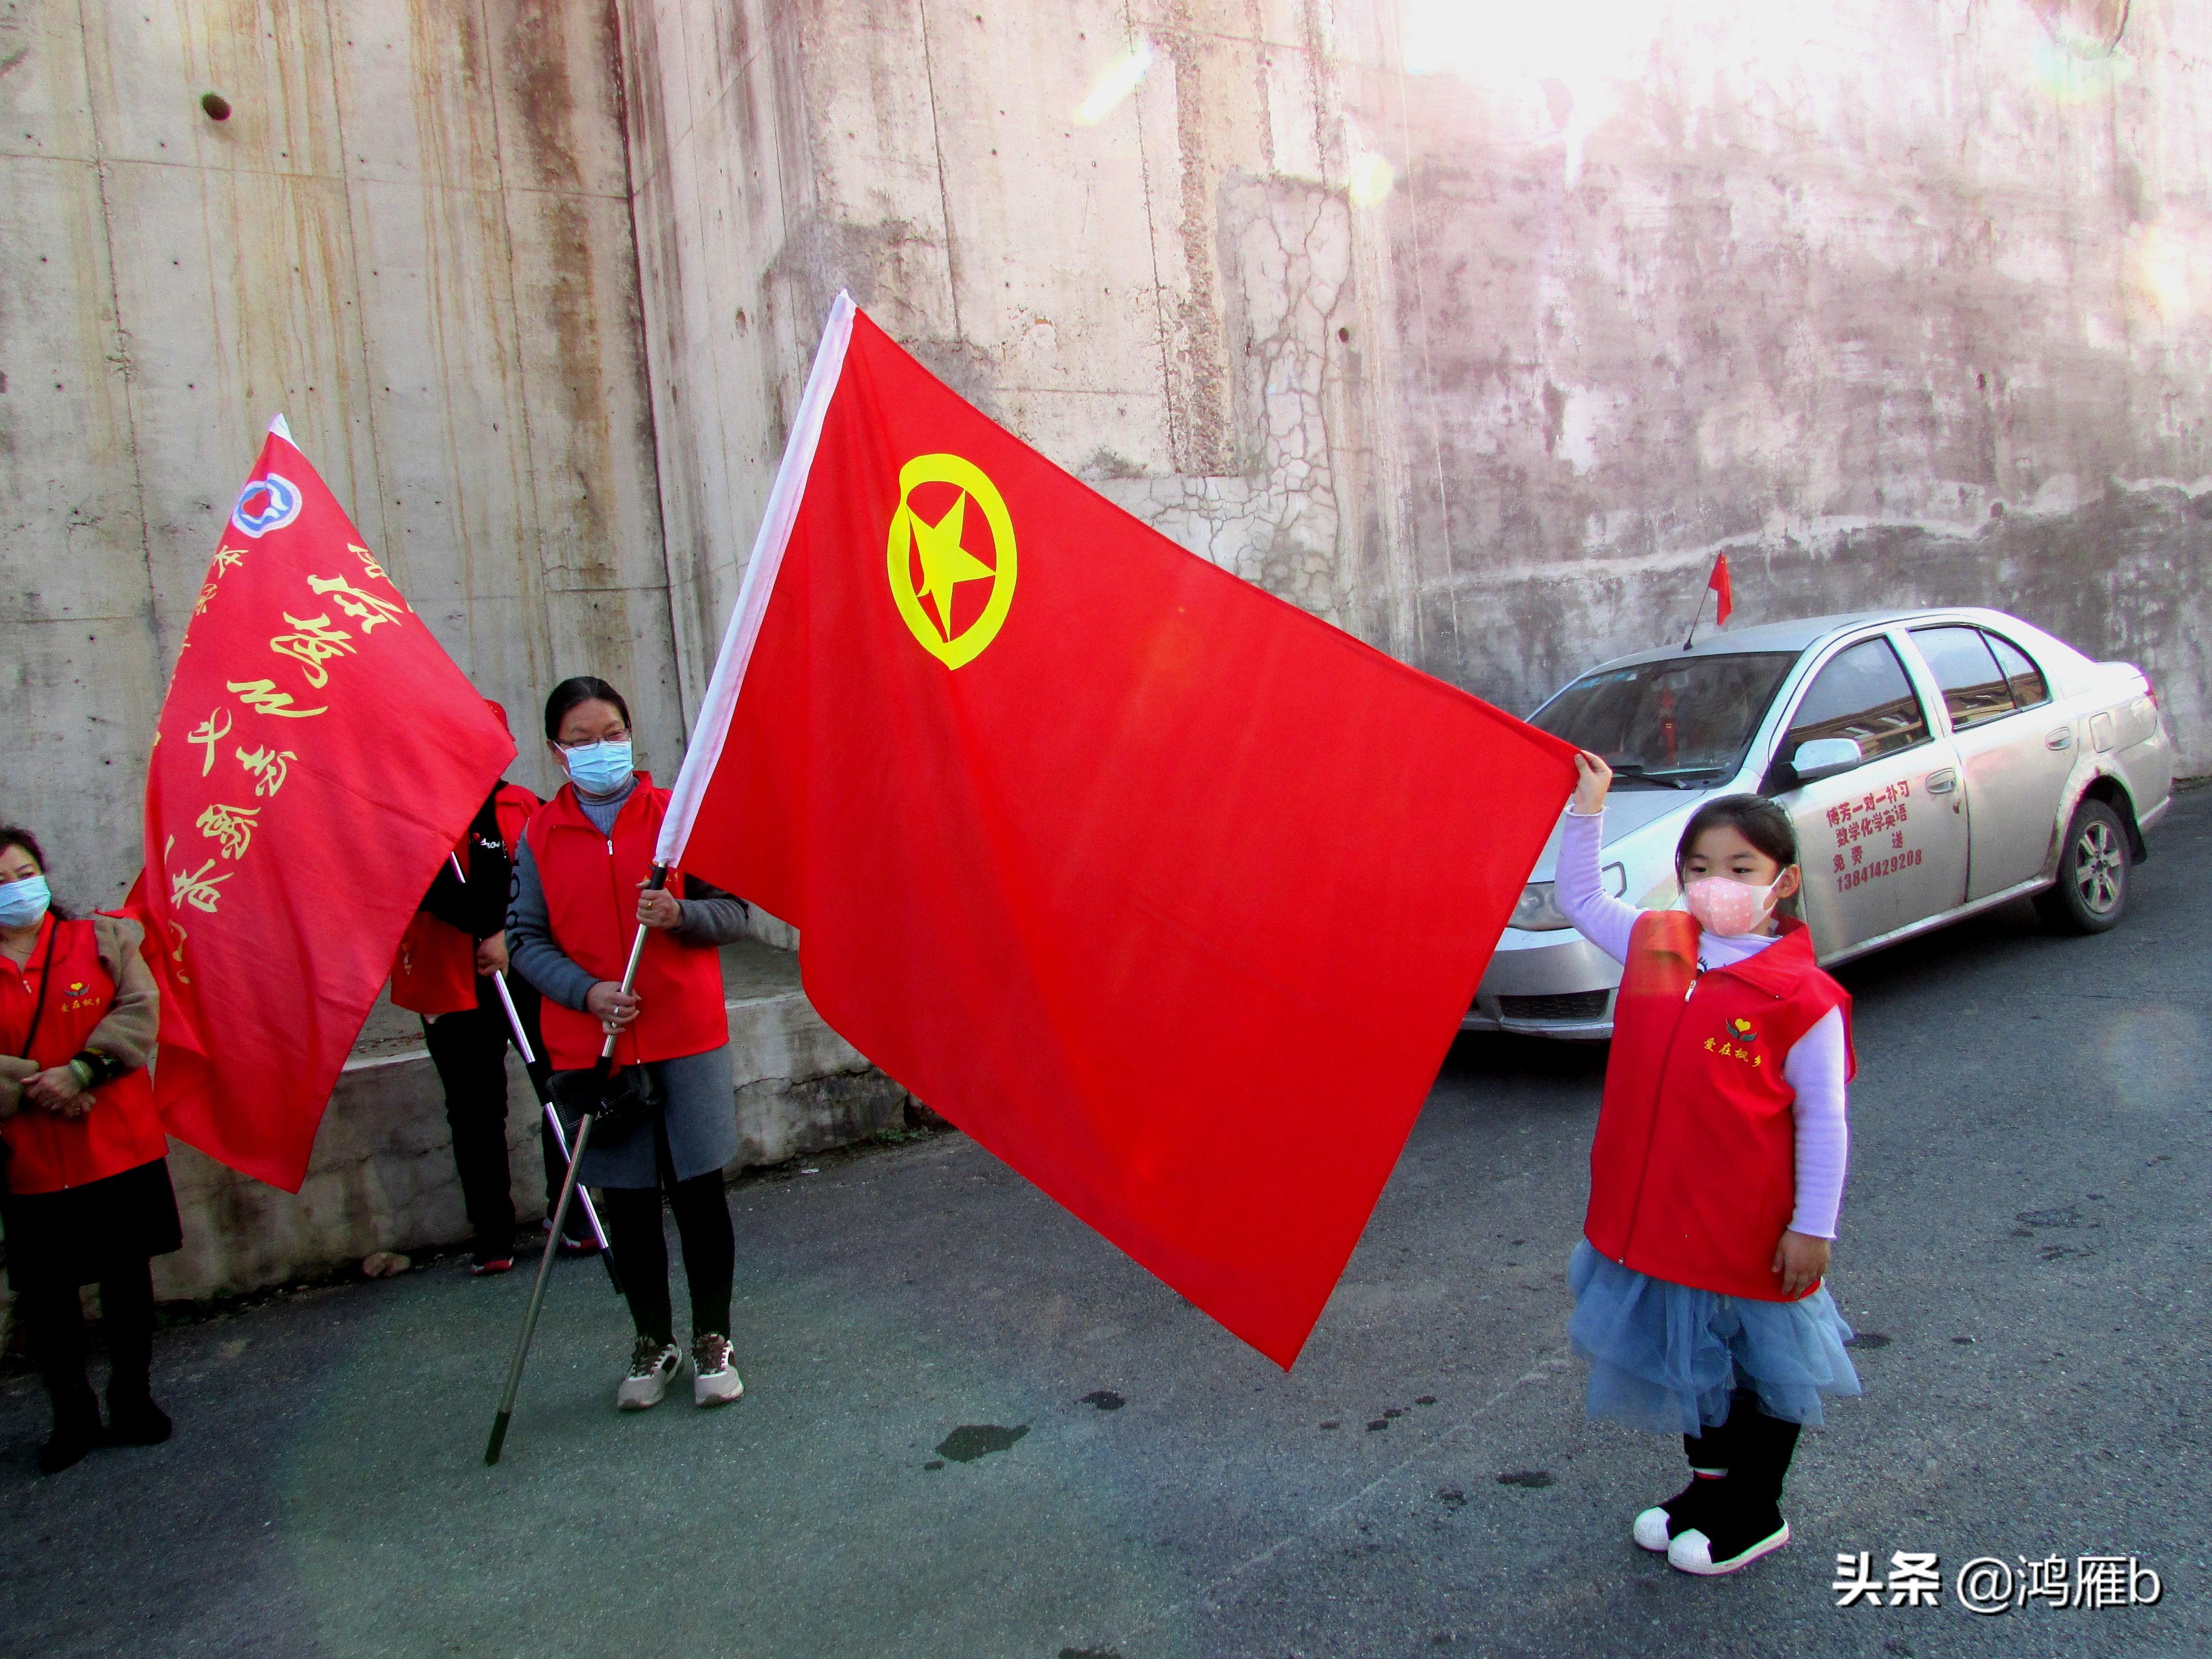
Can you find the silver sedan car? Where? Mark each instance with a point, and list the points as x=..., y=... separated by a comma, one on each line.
x=1935, y=762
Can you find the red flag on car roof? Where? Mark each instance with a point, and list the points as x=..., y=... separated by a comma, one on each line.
x=1723, y=593
x=319, y=753
x=1170, y=895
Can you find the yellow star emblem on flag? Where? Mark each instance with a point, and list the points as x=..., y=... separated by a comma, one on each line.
x=930, y=562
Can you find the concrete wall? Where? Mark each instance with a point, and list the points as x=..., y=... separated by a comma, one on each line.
x=1896, y=302
x=1481, y=329
x=412, y=236
x=1152, y=297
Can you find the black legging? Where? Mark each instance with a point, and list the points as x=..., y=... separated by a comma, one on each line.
x=632, y=1219
x=53, y=1329
x=469, y=1048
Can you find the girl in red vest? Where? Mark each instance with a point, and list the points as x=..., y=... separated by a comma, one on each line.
x=1715, y=1173
x=579, y=893
x=87, y=1193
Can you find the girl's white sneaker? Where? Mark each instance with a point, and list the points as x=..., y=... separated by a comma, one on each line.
x=652, y=1366
x=1692, y=1551
x=714, y=1379
x=1654, y=1528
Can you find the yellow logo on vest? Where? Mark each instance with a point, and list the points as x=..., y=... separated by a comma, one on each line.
x=1728, y=1050
x=933, y=554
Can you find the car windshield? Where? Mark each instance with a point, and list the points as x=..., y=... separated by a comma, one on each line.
x=1679, y=722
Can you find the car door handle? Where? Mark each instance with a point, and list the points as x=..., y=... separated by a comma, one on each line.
x=1943, y=782
x=2061, y=739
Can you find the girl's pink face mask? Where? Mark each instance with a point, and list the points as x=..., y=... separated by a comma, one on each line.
x=1730, y=908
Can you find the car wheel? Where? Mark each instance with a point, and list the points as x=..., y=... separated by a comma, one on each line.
x=2093, y=874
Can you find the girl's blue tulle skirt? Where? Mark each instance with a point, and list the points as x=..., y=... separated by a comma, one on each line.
x=1665, y=1357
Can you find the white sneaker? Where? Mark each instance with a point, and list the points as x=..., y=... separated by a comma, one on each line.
x=1654, y=1527
x=714, y=1379
x=1692, y=1551
x=653, y=1367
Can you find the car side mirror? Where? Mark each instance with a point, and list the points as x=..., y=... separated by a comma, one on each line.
x=1825, y=757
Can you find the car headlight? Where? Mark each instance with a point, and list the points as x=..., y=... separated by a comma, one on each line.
x=1538, y=911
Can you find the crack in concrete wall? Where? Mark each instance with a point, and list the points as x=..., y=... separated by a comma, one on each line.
x=1203, y=441
x=1277, y=521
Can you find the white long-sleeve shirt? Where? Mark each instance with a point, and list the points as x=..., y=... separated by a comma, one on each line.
x=1816, y=1067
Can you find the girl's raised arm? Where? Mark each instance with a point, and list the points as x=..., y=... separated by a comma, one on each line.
x=1598, y=917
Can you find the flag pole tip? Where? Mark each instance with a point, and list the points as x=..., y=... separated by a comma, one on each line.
x=279, y=427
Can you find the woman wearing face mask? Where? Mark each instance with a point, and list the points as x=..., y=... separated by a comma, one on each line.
x=87, y=1193
x=581, y=891
x=1716, y=1174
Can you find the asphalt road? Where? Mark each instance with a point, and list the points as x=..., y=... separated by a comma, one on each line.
x=973, y=1429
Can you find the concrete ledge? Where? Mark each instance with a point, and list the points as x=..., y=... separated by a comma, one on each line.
x=382, y=1175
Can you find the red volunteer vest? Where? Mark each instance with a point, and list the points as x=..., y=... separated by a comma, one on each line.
x=591, y=883
x=1693, y=1169
x=47, y=1153
x=435, y=971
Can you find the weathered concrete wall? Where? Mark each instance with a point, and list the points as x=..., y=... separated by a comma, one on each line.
x=412, y=236
x=1897, y=303
x=1479, y=330
x=1151, y=297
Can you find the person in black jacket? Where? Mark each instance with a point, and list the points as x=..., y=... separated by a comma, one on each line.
x=443, y=973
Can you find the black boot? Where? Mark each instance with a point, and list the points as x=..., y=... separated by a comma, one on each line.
x=1744, y=1520
x=137, y=1421
x=126, y=1311
x=76, y=1423
x=54, y=1327
x=1710, y=1455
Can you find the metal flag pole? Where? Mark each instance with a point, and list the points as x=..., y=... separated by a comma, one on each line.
x=545, y=1101
x=599, y=1074
x=1696, y=615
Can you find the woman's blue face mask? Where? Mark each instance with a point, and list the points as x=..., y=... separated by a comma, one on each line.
x=22, y=902
x=598, y=768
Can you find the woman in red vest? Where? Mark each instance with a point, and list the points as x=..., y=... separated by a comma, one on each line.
x=579, y=893
x=86, y=1194
x=1716, y=1174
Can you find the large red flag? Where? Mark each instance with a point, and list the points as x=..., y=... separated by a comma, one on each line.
x=1170, y=894
x=318, y=755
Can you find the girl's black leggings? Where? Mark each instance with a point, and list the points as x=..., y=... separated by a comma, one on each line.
x=632, y=1215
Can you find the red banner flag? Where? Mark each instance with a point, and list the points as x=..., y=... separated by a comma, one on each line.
x=1723, y=593
x=1170, y=894
x=318, y=753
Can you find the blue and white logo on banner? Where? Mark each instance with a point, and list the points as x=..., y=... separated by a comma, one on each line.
x=266, y=504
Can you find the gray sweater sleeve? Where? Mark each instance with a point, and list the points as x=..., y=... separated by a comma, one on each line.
x=711, y=916
x=529, y=943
